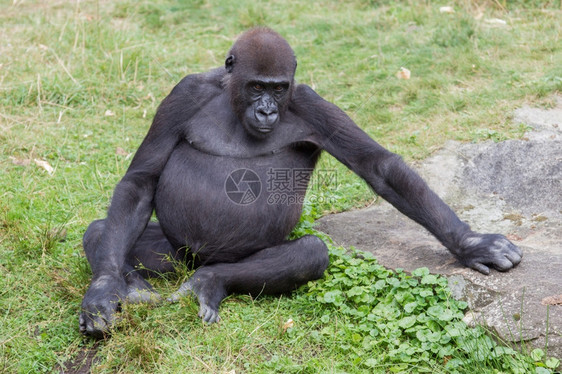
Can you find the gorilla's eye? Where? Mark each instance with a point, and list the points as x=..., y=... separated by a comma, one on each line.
x=258, y=87
x=278, y=88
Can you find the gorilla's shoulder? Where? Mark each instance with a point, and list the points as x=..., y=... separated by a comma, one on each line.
x=304, y=92
x=209, y=82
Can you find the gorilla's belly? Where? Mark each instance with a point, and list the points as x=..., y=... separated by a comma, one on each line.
x=226, y=208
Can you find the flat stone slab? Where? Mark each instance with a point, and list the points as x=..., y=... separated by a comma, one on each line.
x=512, y=187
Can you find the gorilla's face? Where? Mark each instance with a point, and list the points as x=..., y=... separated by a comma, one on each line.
x=260, y=70
x=265, y=100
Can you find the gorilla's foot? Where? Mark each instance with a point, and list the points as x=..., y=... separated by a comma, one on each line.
x=138, y=295
x=209, y=291
x=139, y=290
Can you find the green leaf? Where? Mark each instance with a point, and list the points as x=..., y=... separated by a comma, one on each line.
x=500, y=350
x=403, y=296
x=434, y=336
x=429, y=279
x=380, y=284
x=446, y=315
x=462, y=305
x=422, y=335
x=355, y=291
x=410, y=307
x=393, y=282
x=407, y=322
x=420, y=272
x=552, y=363
x=333, y=297
x=537, y=354
x=455, y=329
x=540, y=370
x=371, y=362
x=435, y=311
x=387, y=311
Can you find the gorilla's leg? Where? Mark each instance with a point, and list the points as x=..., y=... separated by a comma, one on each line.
x=270, y=271
x=151, y=255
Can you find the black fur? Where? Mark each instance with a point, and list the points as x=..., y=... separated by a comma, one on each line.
x=248, y=115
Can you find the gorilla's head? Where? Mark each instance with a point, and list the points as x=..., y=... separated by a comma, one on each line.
x=260, y=71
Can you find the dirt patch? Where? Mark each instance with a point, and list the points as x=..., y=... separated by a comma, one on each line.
x=81, y=364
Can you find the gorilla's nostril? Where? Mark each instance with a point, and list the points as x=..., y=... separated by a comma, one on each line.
x=267, y=111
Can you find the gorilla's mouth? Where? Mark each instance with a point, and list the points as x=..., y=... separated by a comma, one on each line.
x=264, y=130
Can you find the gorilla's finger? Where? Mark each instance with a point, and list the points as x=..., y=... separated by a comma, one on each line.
x=481, y=268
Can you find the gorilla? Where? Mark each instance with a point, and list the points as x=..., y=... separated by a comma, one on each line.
x=215, y=141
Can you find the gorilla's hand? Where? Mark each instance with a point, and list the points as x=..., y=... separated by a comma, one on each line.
x=478, y=251
x=100, y=304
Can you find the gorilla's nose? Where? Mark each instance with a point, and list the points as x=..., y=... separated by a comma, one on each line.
x=267, y=115
x=267, y=110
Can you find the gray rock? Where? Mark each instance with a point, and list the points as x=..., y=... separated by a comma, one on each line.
x=514, y=188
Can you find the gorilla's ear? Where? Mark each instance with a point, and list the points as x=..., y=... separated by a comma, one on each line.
x=229, y=63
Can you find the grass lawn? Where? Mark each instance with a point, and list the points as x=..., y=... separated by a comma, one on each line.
x=79, y=84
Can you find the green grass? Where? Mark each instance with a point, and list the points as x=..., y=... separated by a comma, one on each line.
x=79, y=84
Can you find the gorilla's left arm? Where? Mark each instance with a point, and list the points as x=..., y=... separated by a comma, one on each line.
x=392, y=179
